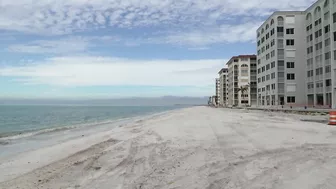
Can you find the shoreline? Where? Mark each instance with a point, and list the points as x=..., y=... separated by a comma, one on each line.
x=197, y=147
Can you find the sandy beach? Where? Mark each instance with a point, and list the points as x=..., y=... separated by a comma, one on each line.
x=197, y=147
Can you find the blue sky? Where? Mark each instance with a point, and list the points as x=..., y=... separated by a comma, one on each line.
x=124, y=48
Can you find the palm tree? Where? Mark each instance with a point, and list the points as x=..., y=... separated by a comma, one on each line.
x=243, y=89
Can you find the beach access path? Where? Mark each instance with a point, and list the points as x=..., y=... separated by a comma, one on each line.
x=198, y=147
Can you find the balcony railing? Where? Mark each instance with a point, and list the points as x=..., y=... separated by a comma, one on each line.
x=326, y=35
x=328, y=75
x=310, y=79
x=319, y=90
x=328, y=89
x=310, y=91
x=281, y=68
x=280, y=46
x=280, y=34
x=281, y=79
x=319, y=77
x=327, y=62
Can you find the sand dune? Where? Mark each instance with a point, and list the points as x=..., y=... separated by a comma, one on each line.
x=197, y=147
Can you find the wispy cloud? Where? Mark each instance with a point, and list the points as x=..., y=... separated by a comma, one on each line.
x=64, y=45
x=106, y=71
x=66, y=16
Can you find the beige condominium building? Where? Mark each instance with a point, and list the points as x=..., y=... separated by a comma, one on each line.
x=320, y=33
x=281, y=61
x=242, y=72
x=223, y=92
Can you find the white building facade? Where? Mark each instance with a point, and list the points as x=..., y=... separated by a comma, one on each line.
x=320, y=33
x=242, y=72
x=281, y=61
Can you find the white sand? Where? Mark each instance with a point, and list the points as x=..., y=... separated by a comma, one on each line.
x=198, y=147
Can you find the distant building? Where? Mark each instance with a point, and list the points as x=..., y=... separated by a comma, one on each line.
x=242, y=72
x=281, y=58
x=218, y=96
x=223, y=87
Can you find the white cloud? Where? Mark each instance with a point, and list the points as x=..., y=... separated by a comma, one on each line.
x=107, y=71
x=66, y=16
x=65, y=45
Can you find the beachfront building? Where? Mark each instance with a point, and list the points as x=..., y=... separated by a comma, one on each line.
x=223, y=87
x=242, y=73
x=281, y=59
x=217, y=92
x=320, y=33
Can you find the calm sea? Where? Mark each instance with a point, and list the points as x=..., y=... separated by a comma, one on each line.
x=18, y=120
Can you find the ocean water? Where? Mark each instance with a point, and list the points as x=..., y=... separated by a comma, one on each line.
x=17, y=120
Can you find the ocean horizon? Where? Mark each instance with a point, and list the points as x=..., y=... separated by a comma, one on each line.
x=18, y=121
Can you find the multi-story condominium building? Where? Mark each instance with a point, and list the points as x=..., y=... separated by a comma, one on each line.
x=217, y=91
x=242, y=72
x=223, y=87
x=320, y=33
x=281, y=59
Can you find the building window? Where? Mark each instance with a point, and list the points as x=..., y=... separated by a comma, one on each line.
x=272, y=42
x=263, y=69
x=273, y=86
x=327, y=29
x=267, y=35
x=290, y=42
x=318, y=46
x=290, y=31
x=262, y=39
x=309, y=27
x=290, y=99
x=319, y=71
x=290, y=64
x=328, y=82
x=258, y=43
x=290, y=76
x=258, y=61
x=334, y=18
x=310, y=73
x=317, y=22
x=328, y=69
x=273, y=53
x=267, y=77
x=259, y=80
x=267, y=67
x=280, y=29
x=267, y=46
x=318, y=33
x=272, y=75
x=309, y=37
x=309, y=49
x=263, y=78
x=267, y=56
x=272, y=64
x=327, y=56
x=334, y=55
x=272, y=32
x=334, y=36
x=327, y=42
x=259, y=71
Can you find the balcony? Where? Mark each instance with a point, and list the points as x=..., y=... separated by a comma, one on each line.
x=327, y=35
x=319, y=77
x=281, y=68
x=281, y=79
x=280, y=46
x=318, y=52
x=280, y=34
x=310, y=91
x=319, y=90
